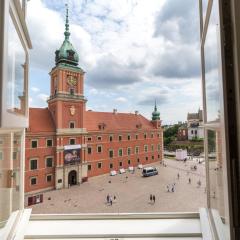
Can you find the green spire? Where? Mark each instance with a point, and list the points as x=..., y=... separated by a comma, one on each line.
x=66, y=33
x=66, y=55
x=155, y=113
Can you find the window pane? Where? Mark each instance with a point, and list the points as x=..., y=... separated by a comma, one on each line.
x=16, y=96
x=10, y=176
x=212, y=66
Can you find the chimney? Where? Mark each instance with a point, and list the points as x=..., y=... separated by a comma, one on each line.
x=114, y=111
x=136, y=112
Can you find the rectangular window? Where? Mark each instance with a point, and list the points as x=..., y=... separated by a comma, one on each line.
x=152, y=147
x=146, y=158
x=99, y=149
x=99, y=138
x=33, y=164
x=49, y=178
x=129, y=137
x=129, y=162
x=72, y=91
x=136, y=149
x=152, y=135
x=33, y=181
x=89, y=139
x=111, y=153
x=72, y=125
x=145, y=148
x=17, y=68
x=110, y=138
x=138, y=160
x=72, y=141
x=34, y=144
x=49, y=142
x=128, y=151
x=136, y=136
x=120, y=164
x=89, y=150
x=89, y=167
x=152, y=157
x=145, y=135
x=159, y=147
x=119, y=138
x=110, y=165
x=99, y=165
x=49, y=162
x=14, y=155
x=120, y=152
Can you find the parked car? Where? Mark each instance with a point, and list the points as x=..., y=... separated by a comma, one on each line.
x=140, y=166
x=131, y=169
x=149, y=171
x=113, y=173
x=122, y=170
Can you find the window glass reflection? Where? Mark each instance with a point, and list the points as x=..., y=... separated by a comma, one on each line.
x=5, y=179
x=16, y=96
x=10, y=168
x=212, y=66
x=215, y=171
x=16, y=158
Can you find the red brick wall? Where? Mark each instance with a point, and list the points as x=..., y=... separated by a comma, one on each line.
x=39, y=153
x=103, y=157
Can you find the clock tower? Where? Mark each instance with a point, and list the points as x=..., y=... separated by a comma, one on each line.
x=67, y=102
x=67, y=107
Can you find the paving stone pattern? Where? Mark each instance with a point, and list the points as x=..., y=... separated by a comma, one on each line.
x=132, y=192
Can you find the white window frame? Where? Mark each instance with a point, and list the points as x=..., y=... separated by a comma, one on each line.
x=32, y=140
x=47, y=141
x=46, y=161
x=30, y=160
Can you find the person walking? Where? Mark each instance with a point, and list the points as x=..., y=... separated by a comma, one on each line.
x=108, y=198
x=114, y=197
x=168, y=188
x=111, y=201
x=151, y=198
x=172, y=188
x=154, y=199
x=178, y=176
x=189, y=180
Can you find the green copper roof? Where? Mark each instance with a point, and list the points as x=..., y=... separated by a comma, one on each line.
x=155, y=113
x=66, y=53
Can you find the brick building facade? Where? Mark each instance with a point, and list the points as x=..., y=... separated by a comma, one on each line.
x=65, y=144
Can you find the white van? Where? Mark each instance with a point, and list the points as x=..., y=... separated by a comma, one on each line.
x=149, y=171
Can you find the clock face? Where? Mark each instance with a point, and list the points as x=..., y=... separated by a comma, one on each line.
x=72, y=80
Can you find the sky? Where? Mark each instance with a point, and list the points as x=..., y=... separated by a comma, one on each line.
x=133, y=52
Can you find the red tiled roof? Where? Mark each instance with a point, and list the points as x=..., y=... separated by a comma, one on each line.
x=115, y=121
x=40, y=120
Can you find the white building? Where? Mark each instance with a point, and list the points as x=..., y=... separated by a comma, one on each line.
x=195, y=125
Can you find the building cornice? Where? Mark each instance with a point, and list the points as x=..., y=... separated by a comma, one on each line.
x=70, y=131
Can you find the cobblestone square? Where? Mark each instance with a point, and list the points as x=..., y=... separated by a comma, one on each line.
x=132, y=192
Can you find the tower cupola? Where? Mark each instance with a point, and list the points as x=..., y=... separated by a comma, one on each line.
x=66, y=55
x=155, y=113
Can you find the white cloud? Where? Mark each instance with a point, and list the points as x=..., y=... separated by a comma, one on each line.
x=35, y=89
x=136, y=49
x=42, y=97
x=121, y=99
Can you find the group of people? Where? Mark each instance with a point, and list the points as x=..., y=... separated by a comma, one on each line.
x=110, y=199
x=171, y=188
x=152, y=198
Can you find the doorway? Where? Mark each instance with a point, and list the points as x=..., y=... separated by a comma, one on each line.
x=72, y=178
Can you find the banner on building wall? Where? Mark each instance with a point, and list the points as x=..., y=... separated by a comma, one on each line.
x=72, y=154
